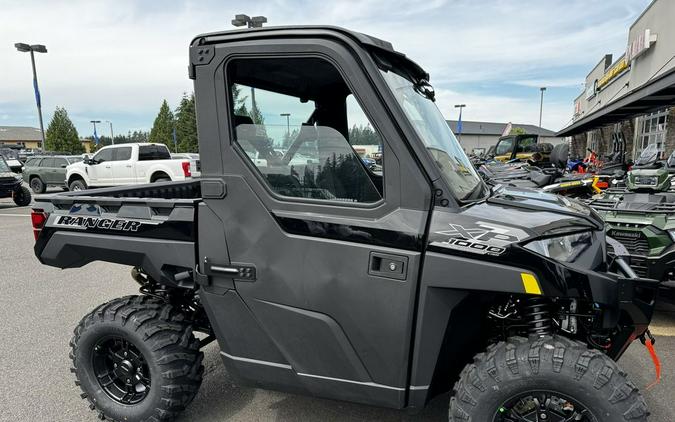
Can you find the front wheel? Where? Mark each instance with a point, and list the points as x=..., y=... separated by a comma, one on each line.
x=77, y=185
x=545, y=379
x=136, y=359
x=37, y=185
x=22, y=197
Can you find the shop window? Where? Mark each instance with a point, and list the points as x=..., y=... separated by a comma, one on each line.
x=653, y=130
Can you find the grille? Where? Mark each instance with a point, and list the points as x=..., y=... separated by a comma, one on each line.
x=635, y=242
x=639, y=265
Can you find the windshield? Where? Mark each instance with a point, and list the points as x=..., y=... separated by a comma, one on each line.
x=438, y=138
x=3, y=165
x=648, y=156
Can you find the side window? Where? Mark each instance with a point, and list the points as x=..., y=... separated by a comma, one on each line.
x=363, y=137
x=527, y=144
x=153, y=152
x=60, y=162
x=122, y=153
x=291, y=122
x=504, y=146
x=47, y=162
x=104, y=155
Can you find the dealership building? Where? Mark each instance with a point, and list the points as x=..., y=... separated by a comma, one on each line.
x=20, y=137
x=630, y=100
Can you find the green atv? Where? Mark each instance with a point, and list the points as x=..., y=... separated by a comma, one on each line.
x=641, y=216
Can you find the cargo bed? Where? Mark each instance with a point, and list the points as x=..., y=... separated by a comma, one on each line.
x=149, y=226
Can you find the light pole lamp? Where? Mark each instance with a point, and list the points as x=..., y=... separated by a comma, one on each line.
x=112, y=134
x=35, y=48
x=459, y=122
x=541, y=104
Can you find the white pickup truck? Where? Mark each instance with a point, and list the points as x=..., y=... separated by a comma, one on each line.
x=127, y=164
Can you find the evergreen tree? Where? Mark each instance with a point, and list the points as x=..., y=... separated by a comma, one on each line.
x=61, y=134
x=239, y=101
x=162, y=128
x=186, y=125
x=363, y=135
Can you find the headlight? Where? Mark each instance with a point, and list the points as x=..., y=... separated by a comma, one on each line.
x=565, y=248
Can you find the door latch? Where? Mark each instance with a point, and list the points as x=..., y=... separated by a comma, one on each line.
x=387, y=265
x=241, y=272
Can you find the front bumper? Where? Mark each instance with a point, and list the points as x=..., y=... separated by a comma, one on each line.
x=8, y=188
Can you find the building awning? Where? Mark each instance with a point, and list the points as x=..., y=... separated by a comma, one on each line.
x=657, y=93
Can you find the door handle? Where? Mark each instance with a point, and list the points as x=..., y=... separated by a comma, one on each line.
x=107, y=167
x=388, y=265
x=129, y=166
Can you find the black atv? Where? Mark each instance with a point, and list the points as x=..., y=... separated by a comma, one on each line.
x=11, y=184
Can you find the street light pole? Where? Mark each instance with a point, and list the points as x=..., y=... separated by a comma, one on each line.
x=459, y=122
x=94, y=122
x=541, y=104
x=288, y=123
x=23, y=47
x=112, y=134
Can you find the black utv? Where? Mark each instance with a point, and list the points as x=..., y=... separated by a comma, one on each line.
x=11, y=185
x=318, y=276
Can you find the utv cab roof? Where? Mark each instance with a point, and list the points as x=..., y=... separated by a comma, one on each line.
x=384, y=49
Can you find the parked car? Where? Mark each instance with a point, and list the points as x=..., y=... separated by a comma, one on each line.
x=43, y=171
x=195, y=163
x=127, y=164
x=11, y=184
x=388, y=291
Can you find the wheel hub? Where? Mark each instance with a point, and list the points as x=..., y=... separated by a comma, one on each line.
x=542, y=406
x=121, y=370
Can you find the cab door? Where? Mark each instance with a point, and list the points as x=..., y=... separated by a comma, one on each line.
x=122, y=167
x=314, y=274
x=100, y=171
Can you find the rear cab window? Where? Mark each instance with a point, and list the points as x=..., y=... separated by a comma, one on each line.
x=153, y=152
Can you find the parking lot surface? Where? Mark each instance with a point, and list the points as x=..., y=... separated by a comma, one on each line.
x=40, y=306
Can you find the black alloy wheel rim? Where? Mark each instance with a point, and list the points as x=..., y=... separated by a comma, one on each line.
x=543, y=406
x=121, y=370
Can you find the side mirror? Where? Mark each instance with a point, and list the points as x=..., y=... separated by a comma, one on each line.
x=64, y=166
x=86, y=160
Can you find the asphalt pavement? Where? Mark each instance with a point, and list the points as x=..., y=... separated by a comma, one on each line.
x=40, y=306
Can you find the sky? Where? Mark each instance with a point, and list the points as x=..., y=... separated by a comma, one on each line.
x=117, y=60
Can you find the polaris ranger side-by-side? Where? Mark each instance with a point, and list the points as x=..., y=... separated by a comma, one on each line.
x=318, y=276
x=11, y=185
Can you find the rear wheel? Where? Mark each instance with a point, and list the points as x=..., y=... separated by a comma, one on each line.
x=77, y=185
x=22, y=196
x=544, y=379
x=136, y=359
x=37, y=185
